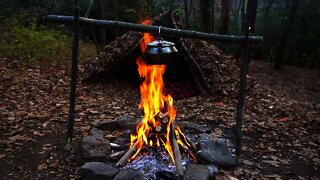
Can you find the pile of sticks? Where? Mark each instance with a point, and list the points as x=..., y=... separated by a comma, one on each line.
x=160, y=132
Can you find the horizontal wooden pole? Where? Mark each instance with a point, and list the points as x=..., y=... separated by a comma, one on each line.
x=151, y=29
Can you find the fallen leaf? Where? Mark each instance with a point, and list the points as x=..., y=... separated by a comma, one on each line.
x=317, y=160
x=312, y=144
x=14, y=138
x=41, y=167
x=273, y=163
x=219, y=104
x=285, y=119
x=93, y=112
x=270, y=149
x=273, y=176
x=284, y=161
x=82, y=97
x=247, y=162
x=54, y=164
x=45, y=124
x=37, y=133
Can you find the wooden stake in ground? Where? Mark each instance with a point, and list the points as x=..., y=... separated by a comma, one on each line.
x=245, y=55
x=74, y=72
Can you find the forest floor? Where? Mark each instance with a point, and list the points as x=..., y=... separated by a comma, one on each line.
x=281, y=121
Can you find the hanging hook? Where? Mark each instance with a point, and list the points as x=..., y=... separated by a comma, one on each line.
x=159, y=34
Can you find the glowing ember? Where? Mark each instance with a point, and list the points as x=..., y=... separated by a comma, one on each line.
x=159, y=113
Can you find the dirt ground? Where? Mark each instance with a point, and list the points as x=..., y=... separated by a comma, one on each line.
x=281, y=121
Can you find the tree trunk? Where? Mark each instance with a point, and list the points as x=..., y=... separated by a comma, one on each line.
x=115, y=9
x=102, y=30
x=284, y=37
x=237, y=11
x=268, y=7
x=88, y=12
x=224, y=20
x=252, y=13
x=212, y=16
x=186, y=13
x=205, y=15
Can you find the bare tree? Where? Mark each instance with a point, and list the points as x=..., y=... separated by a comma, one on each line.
x=252, y=14
x=212, y=16
x=284, y=37
x=102, y=30
x=205, y=15
x=224, y=19
x=186, y=13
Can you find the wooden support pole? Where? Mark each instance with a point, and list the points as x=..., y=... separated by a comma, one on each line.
x=245, y=55
x=152, y=29
x=74, y=72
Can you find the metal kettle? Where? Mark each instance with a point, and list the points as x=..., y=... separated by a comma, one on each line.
x=160, y=52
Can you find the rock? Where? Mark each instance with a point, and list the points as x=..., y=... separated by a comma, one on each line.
x=128, y=174
x=215, y=152
x=213, y=170
x=123, y=141
x=106, y=125
x=127, y=121
x=94, y=147
x=180, y=124
x=196, y=127
x=191, y=117
x=97, y=171
x=165, y=175
x=196, y=171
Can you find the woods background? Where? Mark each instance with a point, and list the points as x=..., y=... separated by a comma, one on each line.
x=290, y=27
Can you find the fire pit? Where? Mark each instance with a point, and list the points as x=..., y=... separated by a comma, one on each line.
x=156, y=129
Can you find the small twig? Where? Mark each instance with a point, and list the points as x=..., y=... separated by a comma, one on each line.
x=189, y=152
x=116, y=155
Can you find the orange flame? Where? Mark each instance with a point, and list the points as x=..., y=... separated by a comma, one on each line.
x=153, y=102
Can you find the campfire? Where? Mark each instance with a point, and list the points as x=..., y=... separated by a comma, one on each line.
x=157, y=128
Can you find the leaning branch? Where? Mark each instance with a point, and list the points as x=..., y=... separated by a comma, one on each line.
x=193, y=66
x=151, y=29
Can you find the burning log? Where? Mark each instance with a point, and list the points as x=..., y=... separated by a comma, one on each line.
x=176, y=153
x=123, y=161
